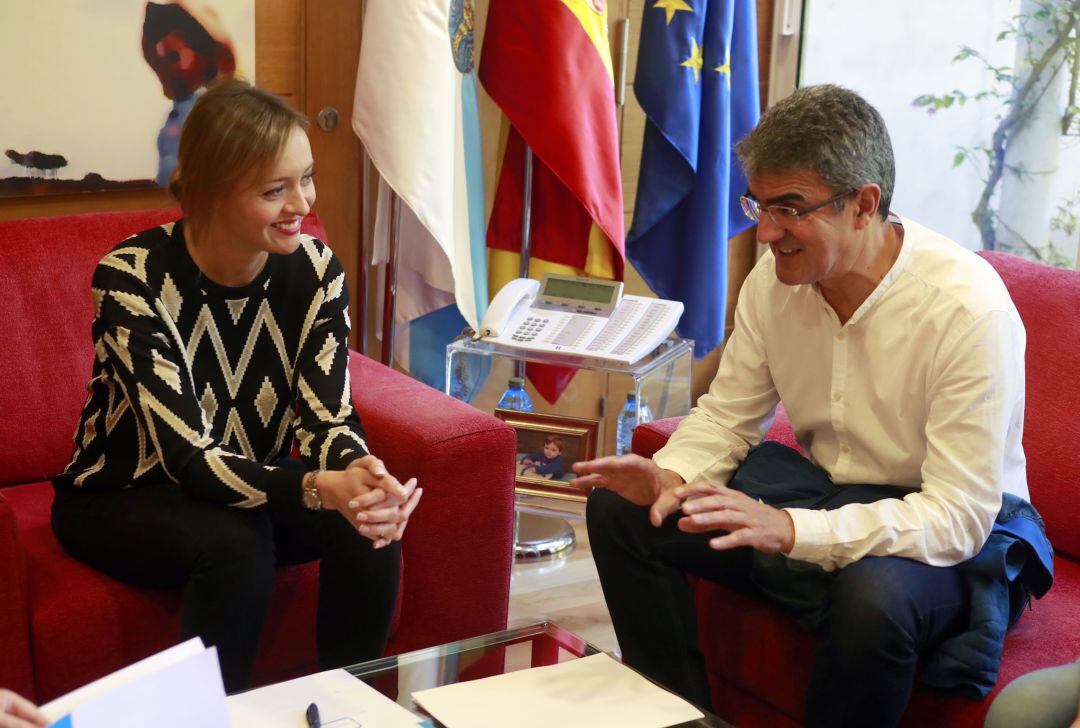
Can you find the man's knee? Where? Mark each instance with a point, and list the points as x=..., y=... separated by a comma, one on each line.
x=871, y=609
x=610, y=517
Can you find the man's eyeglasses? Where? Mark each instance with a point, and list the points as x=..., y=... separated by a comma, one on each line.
x=783, y=215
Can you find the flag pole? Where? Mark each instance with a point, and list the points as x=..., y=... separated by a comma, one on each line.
x=390, y=292
x=361, y=251
x=526, y=235
x=526, y=214
x=363, y=236
x=534, y=535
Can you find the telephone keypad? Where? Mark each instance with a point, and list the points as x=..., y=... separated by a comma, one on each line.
x=530, y=328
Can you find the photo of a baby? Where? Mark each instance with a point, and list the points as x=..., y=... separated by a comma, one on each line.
x=545, y=464
x=547, y=445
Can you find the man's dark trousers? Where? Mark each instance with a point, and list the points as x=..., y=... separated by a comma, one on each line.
x=877, y=616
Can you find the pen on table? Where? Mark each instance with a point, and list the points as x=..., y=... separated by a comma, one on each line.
x=313, y=716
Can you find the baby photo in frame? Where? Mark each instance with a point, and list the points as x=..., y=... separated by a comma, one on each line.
x=547, y=446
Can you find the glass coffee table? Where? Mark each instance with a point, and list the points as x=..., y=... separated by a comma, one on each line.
x=399, y=676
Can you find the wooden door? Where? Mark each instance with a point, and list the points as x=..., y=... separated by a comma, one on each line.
x=330, y=49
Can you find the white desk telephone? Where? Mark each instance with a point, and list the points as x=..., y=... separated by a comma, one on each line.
x=586, y=317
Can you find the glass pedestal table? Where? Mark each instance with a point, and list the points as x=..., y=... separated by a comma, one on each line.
x=399, y=676
x=477, y=371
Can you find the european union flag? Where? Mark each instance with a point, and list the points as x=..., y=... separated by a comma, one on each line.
x=697, y=81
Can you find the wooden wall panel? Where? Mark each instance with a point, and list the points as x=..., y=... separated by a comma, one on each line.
x=633, y=134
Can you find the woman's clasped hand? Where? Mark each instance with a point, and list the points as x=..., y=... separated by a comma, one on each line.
x=367, y=495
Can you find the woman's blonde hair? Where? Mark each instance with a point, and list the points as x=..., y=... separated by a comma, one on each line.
x=232, y=130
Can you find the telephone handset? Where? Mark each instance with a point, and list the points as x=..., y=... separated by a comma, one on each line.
x=515, y=296
x=584, y=317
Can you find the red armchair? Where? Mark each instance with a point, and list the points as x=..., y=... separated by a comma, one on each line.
x=63, y=624
x=758, y=660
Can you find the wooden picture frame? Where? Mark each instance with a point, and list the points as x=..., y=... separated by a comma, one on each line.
x=547, y=446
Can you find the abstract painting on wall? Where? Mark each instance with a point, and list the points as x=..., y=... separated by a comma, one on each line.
x=94, y=94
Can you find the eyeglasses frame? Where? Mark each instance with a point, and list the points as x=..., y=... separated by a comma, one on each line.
x=748, y=203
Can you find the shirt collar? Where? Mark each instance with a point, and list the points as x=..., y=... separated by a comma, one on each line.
x=895, y=271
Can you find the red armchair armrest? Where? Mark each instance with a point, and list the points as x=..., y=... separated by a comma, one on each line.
x=457, y=551
x=651, y=436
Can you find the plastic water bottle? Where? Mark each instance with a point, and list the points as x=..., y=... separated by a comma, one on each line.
x=458, y=387
x=627, y=420
x=644, y=413
x=515, y=397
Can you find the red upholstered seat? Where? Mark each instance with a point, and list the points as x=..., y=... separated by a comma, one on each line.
x=759, y=661
x=63, y=624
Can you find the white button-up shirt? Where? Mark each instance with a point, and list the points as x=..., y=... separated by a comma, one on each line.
x=922, y=388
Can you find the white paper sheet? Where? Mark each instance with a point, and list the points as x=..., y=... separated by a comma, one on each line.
x=344, y=702
x=66, y=703
x=584, y=693
x=187, y=692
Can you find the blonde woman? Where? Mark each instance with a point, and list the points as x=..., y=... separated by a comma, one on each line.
x=220, y=340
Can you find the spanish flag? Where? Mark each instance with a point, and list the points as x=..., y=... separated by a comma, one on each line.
x=547, y=64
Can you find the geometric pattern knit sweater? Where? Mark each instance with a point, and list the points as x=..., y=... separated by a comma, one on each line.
x=203, y=385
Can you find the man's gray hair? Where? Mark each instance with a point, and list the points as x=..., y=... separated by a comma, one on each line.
x=826, y=129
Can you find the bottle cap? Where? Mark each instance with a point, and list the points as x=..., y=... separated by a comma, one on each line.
x=517, y=382
x=631, y=397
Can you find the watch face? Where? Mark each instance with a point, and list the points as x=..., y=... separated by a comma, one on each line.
x=311, y=499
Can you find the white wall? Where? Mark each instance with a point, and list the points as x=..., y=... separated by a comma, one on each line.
x=893, y=52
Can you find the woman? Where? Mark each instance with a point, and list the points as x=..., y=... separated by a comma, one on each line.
x=218, y=339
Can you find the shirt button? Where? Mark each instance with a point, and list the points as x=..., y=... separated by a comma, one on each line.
x=840, y=336
x=837, y=397
x=845, y=448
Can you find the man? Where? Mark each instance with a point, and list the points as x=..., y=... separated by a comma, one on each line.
x=899, y=357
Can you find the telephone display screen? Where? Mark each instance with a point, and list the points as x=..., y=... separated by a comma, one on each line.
x=579, y=290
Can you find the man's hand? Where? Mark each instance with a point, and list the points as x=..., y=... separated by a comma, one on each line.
x=749, y=522
x=18, y=712
x=637, y=479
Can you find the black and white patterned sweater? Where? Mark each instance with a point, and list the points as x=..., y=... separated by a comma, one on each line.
x=203, y=385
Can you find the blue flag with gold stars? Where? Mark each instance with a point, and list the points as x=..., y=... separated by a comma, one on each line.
x=697, y=81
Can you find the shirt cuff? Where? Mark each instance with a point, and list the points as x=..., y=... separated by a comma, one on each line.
x=811, y=535
x=685, y=470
